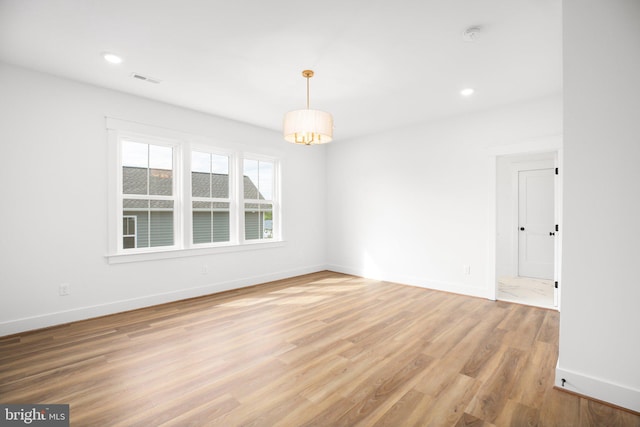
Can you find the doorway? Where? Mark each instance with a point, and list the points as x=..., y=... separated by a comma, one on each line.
x=526, y=215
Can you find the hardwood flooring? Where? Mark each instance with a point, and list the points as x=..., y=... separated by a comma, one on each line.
x=324, y=349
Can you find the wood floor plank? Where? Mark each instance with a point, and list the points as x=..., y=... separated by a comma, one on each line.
x=438, y=377
x=470, y=421
x=517, y=414
x=515, y=317
x=338, y=379
x=442, y=344
x=550, y=328
x=483, y=352
x=594, y=413
x=196, y=415
x=524, y=335
x=450, y=404
x=559, y=409
x=400, y=411
x=322, y=349
x=379, y=398
x=493, y=394
x=537, y=377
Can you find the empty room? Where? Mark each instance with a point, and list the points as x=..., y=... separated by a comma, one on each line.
x=344, y=213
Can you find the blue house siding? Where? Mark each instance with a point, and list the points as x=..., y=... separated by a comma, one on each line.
x=210, y=227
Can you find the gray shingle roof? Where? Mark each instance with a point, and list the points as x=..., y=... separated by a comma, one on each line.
x=160, y=182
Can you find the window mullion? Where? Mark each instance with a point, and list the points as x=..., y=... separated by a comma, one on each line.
x=234, y=235
x=241, y=201
x=186, y=213
x=210, y=199
x=148, y=197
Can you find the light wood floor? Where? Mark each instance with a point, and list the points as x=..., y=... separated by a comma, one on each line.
x=323, y=349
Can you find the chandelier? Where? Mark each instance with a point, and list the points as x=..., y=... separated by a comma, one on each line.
x=308, y=126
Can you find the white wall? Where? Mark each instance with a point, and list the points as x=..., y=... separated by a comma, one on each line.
x=600, y=322
x=54, y=206
x=505, y=221
x=413, y=205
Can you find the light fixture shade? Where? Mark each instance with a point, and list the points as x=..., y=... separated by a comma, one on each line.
x=308, y=127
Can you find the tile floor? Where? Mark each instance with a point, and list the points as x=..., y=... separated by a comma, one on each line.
x=526, y=290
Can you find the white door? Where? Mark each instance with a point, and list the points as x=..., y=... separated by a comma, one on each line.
x=536, y=223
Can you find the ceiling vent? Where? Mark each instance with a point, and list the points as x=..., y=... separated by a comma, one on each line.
x=145, y=78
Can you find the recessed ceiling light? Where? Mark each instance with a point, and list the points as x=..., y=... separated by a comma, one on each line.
x=112, y=58
x=466, y=92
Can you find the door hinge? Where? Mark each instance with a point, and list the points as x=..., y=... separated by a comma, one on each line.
x=556, y=171
x=557, y=228
x=556, y=285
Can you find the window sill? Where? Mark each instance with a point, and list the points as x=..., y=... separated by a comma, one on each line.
x=182, y=253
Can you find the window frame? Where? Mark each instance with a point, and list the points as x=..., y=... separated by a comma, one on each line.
x=135, y=230
x=176, y=147
x=274, y=201
x=232, y=199
x=183, y=145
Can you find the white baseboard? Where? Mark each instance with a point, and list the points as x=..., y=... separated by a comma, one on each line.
x=455, y=288
x=599, y=389
x=15, y=326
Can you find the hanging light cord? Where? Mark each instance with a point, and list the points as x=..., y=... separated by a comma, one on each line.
x=308, y=77
x=307, y=74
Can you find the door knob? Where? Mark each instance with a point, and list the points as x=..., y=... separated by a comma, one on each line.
x=521, y=228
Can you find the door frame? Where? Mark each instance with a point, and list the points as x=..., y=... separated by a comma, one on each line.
x=541, y=145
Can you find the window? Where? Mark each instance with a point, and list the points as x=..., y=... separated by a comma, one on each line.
x=147, y=193
x=179, y=194
x=129, y=232
x=210, y=196
x=258, y=186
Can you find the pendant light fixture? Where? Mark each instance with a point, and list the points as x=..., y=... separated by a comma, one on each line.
x=308, y=126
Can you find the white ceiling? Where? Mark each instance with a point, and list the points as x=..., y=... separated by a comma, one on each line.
x=379, y=64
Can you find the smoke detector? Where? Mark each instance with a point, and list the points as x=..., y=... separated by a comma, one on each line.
x=471, y=34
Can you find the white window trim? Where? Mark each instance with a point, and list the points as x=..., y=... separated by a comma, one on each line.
x=183, y=228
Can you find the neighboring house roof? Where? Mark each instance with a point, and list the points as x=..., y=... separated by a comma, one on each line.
x=160, y=181
x=209, y=185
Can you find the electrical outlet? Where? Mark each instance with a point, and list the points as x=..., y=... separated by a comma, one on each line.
x=64, y=289
x=205, y=270
x=467, y=270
